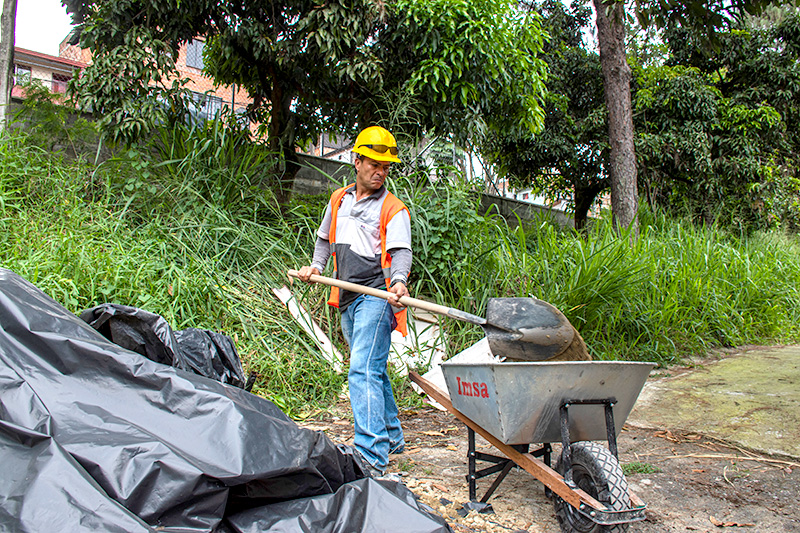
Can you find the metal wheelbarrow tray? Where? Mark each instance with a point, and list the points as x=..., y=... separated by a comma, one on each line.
x=513, y=405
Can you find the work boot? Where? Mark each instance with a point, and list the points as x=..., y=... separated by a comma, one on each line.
x=375, y=472
x=397, y=449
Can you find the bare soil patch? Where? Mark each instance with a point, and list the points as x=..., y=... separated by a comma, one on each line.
x=699, y=485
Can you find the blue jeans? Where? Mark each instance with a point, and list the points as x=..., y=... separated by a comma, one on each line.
x=367, y=328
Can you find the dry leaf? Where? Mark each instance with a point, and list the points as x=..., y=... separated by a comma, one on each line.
x=312, y=427
x=451, y=447
x=698, y=470
x=440, y=487
x=433, y=433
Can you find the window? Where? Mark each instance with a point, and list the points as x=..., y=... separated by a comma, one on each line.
x=207, y=106
x=241, y=117
x=22, y=75
x=194, y=54
x=60, y=83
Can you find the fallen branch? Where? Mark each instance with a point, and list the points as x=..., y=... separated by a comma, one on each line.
x=734, y=457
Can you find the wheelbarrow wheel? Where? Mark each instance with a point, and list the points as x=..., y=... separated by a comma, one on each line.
x=597, y=472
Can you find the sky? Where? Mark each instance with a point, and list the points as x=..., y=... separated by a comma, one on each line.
x=41, y=25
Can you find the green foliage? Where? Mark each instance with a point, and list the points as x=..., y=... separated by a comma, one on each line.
x=464, y=69
x=717, y=135
x=50, y=122
x=132, y=85
x=444, y=219
x=679, y=290
x=568, y=158
x=472, y=66
x=703, y=18
x=780, y=192
x=309, y=66
x=219, y=160
x=138, y=231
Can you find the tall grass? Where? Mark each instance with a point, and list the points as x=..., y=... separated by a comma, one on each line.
x=679, y=290
x=139, y=231
x=187, y=227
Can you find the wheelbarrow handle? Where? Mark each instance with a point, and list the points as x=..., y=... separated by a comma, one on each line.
x=407, y=301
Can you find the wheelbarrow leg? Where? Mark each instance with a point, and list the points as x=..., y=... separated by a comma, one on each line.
x=472, y=464
x=502, y=465
x=611, y=435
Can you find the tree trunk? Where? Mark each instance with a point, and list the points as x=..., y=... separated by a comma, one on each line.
x=281, y=140
x=616, y=81
x=584, y=198
x=7, y=23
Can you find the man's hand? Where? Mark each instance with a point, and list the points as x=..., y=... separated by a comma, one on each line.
x=397, y=291
x=305, y=273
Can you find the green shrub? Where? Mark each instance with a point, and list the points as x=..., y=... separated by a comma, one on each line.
x=637, y=467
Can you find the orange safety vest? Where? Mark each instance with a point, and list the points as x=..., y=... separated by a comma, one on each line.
x=391, y=206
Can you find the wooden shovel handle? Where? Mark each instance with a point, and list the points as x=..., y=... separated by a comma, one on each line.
x=408, y=301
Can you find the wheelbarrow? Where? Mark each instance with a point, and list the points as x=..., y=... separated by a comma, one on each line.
x=515, y=404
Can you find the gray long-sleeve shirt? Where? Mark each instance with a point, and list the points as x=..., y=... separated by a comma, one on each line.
x=401, y=260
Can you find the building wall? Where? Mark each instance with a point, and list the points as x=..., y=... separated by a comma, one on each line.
x=232, y=96
x=39, y=73
x=53, y=72
x=75, y=53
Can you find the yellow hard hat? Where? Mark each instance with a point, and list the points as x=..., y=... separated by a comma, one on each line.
x=377, y=143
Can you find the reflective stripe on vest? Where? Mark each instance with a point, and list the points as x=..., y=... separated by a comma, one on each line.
x=391, y=206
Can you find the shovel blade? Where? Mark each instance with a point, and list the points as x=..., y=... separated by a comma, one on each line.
x=526, y=329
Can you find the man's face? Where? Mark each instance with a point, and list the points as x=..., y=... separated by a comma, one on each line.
x=370, y=174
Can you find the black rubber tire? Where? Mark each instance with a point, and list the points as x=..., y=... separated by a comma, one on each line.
x=596, y=471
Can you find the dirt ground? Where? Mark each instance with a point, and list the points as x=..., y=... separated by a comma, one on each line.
x=695, y=484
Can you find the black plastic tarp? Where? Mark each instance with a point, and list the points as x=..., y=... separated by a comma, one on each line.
x=42, y=488
x=363, y=505
x=98, y=437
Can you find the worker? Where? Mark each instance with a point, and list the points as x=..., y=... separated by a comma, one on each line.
x=367, y=231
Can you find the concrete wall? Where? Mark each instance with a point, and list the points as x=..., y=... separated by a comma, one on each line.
x=510, y=209
x=319, y=176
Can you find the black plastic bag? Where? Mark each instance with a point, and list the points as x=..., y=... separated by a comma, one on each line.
x=123, y=440
x=204, y=352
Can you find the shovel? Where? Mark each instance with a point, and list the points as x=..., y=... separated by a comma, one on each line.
x=520, y=328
